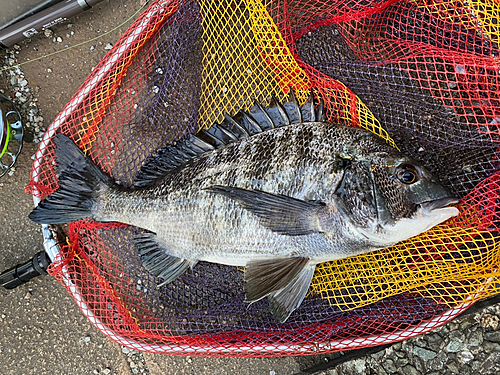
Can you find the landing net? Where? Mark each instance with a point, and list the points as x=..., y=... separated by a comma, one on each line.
x=423, y=75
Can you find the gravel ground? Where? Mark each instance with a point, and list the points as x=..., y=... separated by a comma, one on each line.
x=468, y=345
x=41, y=329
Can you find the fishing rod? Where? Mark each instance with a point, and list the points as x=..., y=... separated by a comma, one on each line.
x=42, y=20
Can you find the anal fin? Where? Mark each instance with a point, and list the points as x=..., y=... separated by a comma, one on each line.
x=284, y=302
x=157, y=261
x=263, y=277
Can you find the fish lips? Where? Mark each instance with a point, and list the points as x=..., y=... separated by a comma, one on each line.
x=438, y=203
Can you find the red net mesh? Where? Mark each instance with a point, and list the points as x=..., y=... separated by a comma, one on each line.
x=423, y=75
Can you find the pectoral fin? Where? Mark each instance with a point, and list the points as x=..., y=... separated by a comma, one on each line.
x=157, y=261
x=278, y=213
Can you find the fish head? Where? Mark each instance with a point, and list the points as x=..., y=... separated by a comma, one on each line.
x=390, y=197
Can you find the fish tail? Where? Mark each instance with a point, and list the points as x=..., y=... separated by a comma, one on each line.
x=80, y=181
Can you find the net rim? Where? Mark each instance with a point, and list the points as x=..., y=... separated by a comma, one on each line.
x=52, y=247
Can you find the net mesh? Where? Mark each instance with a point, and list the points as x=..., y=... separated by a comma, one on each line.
x=423, y=75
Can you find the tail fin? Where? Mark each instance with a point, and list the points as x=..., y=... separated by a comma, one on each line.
x=79, y=182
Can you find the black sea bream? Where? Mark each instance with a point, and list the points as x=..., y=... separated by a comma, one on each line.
x=276, y=190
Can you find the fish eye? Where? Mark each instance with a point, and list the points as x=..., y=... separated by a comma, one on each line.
x=407, y=174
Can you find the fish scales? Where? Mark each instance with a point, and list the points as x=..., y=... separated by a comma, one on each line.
x=184, y=216
x=277, y=201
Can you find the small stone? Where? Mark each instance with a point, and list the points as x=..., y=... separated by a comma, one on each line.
x=491, y=347
x=125, y=350
x=357, y=366
x=465, y=356
x=425, y=354
x=419, y=365
x=28, y=295
x=454, y=346
x=410, y=370
x=401, y=362
x=476, y=365
x=389, y=366
x=460, y=69
x=457, y=339
x=465, y=370
x=49, y=70
x=106, y=371
x=272, y=372
x=48, y=33
x=59, y=39
x=475, y=338
x=133, y=365
x=378, y=355
x=493, y=336
x=437, y=363
x=108, y=46
x=489, y=321
x=467, y=322
x=434, y=341
x=453, y=367
x=491, y=365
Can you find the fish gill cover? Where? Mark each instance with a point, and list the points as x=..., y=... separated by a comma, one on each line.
x=423, y=75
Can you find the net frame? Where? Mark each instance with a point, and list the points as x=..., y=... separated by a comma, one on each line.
x=53, y=248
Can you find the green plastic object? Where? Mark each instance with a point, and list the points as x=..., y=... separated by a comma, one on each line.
x=11, y=134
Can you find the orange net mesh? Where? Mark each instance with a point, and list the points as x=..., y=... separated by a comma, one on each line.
x=423, y=75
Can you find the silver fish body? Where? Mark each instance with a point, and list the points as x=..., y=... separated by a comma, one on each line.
x=278, y=201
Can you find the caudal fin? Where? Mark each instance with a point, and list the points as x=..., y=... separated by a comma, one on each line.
x=79, y=181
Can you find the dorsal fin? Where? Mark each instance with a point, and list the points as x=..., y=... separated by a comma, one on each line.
x=256, y=120
x=292, y=109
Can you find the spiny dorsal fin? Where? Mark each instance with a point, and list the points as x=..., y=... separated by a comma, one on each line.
x=292, y=109
x=256, y=120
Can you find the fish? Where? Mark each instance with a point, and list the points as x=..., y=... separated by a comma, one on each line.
x=276, y=189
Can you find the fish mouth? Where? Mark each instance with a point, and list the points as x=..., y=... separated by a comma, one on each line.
x=438, y=203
